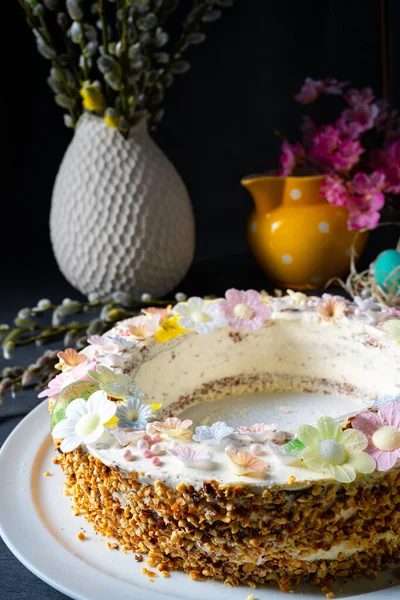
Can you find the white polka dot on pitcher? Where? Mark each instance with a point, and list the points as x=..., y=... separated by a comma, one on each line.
x=287, y=259
x=323, y=227
x=316, y=280
x=275, y=226
x=295, y=194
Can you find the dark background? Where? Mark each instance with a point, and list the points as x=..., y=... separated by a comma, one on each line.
x=219, y=125
x=220, y=117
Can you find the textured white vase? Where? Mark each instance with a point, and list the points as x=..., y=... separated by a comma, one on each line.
x=121, y=218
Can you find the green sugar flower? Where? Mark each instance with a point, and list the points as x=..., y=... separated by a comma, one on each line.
x=338, y=452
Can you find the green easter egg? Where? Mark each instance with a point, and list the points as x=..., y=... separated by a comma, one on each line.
x=79, y=389
x=385, y=274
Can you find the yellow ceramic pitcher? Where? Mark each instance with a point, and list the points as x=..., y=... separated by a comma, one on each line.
x=298, y=238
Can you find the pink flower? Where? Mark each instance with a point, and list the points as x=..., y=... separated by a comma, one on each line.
x=355, y=97
x=354, y=121
x=244, y=309
x=291, y=153
x=347, y=155
x=368, y=184
x=310, y=91
x=388, y=162
x=383, y=433
x=333, y=86
x=313, y=88
x=368, y=200
x=334, y=190
x=363, y=220
x=78, y=373
x=308, y=129
x=325, y=143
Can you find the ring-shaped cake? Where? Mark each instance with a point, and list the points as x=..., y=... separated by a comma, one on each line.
x=248, y=439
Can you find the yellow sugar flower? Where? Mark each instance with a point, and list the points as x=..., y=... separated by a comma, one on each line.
x=93, y=98
x=169, y=329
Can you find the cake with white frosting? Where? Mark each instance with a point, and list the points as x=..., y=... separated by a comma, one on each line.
x=249, y=439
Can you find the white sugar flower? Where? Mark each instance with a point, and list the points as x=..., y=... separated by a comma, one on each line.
x=85, y=421
x=198, y=314
x=133, y=415
x=214, y=434
x=116, y=385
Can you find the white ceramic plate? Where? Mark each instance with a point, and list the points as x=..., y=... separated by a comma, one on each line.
x=38, y=526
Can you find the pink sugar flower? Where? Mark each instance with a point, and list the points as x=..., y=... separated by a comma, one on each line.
x=382, y=430
x=331, y=309
x=334, y=190
x=244, y=309
x=79, y=373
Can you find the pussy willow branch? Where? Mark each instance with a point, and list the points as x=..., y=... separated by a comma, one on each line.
x=27, y=330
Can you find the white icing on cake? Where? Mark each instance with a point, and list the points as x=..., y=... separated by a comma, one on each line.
x=293, y=350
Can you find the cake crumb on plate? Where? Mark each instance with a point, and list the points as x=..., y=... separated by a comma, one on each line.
x=251, y=597
x=138, y=557
x=47, y=474
x=81, y=536
x=112, y=546
x=150, y=574
x=291, y=480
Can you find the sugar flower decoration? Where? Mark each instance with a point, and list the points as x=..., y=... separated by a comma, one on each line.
x=297, y=299
x=244, y=309
x=116, y=385
x=214, y=434
x=376, y=404
x=162, y=313
x=259, y=432
x=140, y=328
x=133, y=415
x=169, y=329
x=382, y=430
x=173, y=427
x=328, y=448
x=331, y=309
x=126, y=436
x=59, y=382
x=245, y=463
x=190, y=456
x=106, y=344
x=392, y=329
x=198, y=314
x=70, y=359
x=85, y=421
